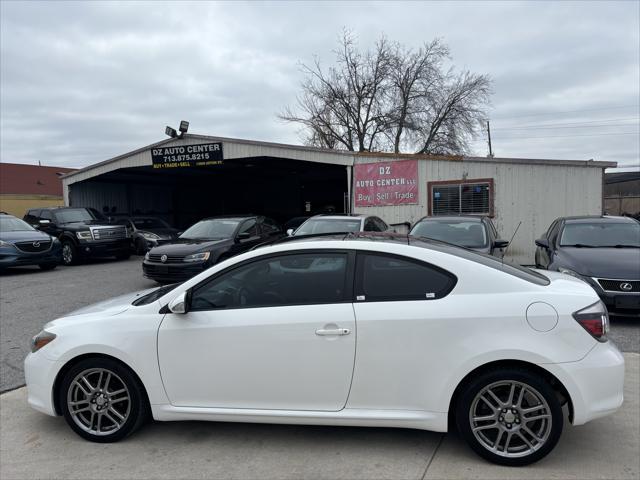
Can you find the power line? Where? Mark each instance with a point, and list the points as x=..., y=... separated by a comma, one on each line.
x=574, y=126
x=568, y=111
x=587, y=122
x=577, y=135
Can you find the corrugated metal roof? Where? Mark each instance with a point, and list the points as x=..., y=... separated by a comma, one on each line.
x=21, y=179
x=353, y=155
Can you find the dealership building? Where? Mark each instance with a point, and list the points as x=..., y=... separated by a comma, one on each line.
x=190, y=177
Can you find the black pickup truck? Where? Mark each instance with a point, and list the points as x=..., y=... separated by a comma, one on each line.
x=83, y=232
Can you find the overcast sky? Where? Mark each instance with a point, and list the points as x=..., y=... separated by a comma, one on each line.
x=82, y=82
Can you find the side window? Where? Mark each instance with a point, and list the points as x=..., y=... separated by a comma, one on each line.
x=270, y=227
x=250, y=227
x=383, y=278
x=32, y=216
x=46, y=215
x=382, y=226
x=294, y=279
x=369, y=225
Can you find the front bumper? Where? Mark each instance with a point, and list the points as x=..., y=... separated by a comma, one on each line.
x=172, y=272
x=12, y=257
x=90, y=249
x=621, y=304
x=595, y=383
x=40, y=374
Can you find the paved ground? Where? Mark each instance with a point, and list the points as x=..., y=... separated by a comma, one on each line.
x=33, y=445
x=30, y=298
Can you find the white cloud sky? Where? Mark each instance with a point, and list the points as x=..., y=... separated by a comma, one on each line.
x=84, y=81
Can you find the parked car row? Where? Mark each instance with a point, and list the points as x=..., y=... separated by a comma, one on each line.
x=603, y=251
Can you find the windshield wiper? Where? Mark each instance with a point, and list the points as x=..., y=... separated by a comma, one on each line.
x=579, y=245
x=623, y=246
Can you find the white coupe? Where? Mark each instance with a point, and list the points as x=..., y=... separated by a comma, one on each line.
x=363, y=330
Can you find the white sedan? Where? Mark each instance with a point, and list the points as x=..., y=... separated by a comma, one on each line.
x=364, y=331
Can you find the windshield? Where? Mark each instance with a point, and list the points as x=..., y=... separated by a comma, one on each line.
x=465, y=233
x=12, y=224
x=143, y=223
x=601, y=234
x=155, y=295
x=70, y=215
x=328, y=225
x=219, y=228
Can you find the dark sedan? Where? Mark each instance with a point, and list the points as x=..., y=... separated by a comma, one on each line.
x=147, y=232
x=21, y=244
x=476, y=233
x=602, y=251
x=207, y=243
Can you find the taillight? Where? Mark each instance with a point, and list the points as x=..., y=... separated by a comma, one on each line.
x=595, y=320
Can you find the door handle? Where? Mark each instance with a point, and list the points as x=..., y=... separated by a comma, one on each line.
x=333, y=331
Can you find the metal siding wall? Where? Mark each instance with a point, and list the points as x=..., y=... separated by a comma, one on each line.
x=98, y=195
x=533, y=194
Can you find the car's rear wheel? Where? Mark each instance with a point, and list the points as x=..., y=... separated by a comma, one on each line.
x=510, y=416
x=141, y=246
x=102, y=401
x=68, y=253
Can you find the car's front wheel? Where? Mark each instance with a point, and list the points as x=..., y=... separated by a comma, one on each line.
x=102, y=401
x=509, y=416
x=68, y=252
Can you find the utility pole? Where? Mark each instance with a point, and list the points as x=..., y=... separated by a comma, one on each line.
x=489, y=136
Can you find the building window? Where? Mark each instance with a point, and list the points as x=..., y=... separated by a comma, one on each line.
x=461, y=197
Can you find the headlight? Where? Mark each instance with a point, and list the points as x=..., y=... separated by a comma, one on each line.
x=86, y=235
x=5, y=244
x=197, y=257
x=146, y=256
x=41, y=339
x=149, y=235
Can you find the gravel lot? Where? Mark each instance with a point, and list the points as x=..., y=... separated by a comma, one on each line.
x=30, y=298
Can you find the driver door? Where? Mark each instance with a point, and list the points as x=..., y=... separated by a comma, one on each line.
x=276, y=332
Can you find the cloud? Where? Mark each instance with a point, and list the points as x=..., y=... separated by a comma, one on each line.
x=81, y=82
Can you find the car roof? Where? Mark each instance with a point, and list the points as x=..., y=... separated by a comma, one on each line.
x=345, y=216
x=598, y=218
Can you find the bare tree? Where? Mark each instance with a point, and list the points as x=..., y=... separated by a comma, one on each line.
x=390, y=98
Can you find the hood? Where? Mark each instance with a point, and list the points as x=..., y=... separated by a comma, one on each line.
x=187, y=247
x=24, y=236
x=622, y=263
x=112, y=306
x=77, y=226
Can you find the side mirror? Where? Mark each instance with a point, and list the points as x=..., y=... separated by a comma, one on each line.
x=290, y=232
x=542, y=242
x=243, y=236
x=500, y=243
x=44, y=222
x=180, y=304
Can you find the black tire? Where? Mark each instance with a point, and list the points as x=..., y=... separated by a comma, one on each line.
x=123, y=255
x=47, y=266
x=70, y=256
x=541, y=436
x=140, y=246
x=116, y=377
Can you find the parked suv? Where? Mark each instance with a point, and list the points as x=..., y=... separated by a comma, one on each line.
x=147, y=232
x=603, y=251
x=206, y=243
x=21, y=244
x=83, y=232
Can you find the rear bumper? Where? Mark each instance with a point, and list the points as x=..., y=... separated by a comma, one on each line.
x=595, y=383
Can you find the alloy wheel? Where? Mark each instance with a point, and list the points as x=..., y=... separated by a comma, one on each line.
x=510, y=419
x=99, y=401
x=67, y=253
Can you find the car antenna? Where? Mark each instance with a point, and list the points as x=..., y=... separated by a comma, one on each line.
x=510, y=241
